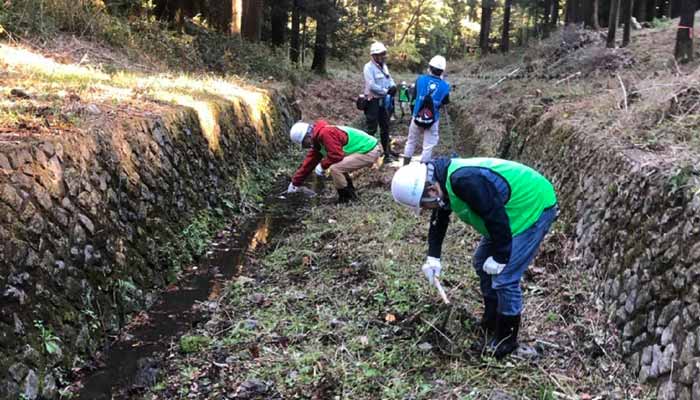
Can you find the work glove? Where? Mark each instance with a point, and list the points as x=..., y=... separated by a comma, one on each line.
x=493, y=267
x=319, y=170
x=292, y=188
x=431, y=269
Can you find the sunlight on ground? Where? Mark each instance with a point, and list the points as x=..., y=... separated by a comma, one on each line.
x=207, y=96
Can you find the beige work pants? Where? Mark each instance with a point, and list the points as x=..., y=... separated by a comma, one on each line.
x=351, y=163
x=431, y=137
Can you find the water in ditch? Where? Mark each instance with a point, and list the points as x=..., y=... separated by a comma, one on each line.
x=127, y=361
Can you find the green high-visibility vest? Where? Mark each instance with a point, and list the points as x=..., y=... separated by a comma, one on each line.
x=530, y=193
x=358, y=142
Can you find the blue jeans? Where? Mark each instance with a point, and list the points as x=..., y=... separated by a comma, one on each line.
x=505, y=287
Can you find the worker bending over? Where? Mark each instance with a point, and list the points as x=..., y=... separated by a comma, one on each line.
x=338, y=149
x=510, y=204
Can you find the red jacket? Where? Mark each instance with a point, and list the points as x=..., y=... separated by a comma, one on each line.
x=333, y=139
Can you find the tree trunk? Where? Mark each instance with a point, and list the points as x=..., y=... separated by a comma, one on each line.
x=570, y=14
x=279, y=14
x=612, y=22
x=651, y=10
x=668, y=10
x=684, y=35
x=627, y=21
x=320, y=48
x=640, y=10
x=485, y=32
x=252, y=20
x=555, y=14
x=294, y=41
x=587, y=9
x=546, y=18
x=505, y=36
x=595, y=17
x=304, y=29
x=236, y=17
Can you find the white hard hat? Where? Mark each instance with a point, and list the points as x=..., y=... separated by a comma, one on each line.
x=408, y=184
x=438, y=62
x=298, y=132
x=377, y=48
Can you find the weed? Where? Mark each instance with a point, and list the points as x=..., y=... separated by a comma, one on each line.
x=661, y=23
x=193, y=344
x=50, y=342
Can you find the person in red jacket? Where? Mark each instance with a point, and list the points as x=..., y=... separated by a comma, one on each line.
x=338, y=149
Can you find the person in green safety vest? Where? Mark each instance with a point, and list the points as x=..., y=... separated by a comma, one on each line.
x=404, y=98
x=510, y=204
x=338, y=149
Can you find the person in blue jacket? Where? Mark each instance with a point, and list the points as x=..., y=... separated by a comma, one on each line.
x=431, y=92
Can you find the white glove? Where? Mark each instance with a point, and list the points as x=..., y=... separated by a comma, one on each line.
x=492, y=267
x=319, y=170
x=431, y=269
x=292, y=188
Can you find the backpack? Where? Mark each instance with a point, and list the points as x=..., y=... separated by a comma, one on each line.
x=425, y=118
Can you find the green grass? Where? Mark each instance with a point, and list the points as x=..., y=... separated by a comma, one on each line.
x=193, y=344
x=350, y=316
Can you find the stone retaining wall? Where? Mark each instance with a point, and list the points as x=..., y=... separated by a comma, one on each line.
x=637, y=228
x=83, y=217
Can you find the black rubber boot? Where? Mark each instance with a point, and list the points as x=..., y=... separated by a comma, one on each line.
x=489, y=320
x=350, y=187
x=349, y=181
x=343, y=196
x=506, y=340
x=346, y=195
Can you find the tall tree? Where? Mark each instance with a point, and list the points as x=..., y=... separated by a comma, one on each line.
x=640, y=10
x=320, y=48
x=627, y=21
x=612, y=22
x=225, y=15
x=547, y=18
x=586, y=10
x=505, y=36
x=485, y=31
x=295, y=42
x=279, y=16
x=668, y=10
x=325, y=12
x=684, y=36
x=251, y=25
x=595, y=22
x=554, y=20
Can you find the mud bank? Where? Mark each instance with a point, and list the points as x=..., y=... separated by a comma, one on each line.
x=96, y=221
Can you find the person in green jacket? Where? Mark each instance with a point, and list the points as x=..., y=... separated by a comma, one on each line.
x=510, y=204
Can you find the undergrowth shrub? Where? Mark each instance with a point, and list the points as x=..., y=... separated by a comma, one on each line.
x=198, y=48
